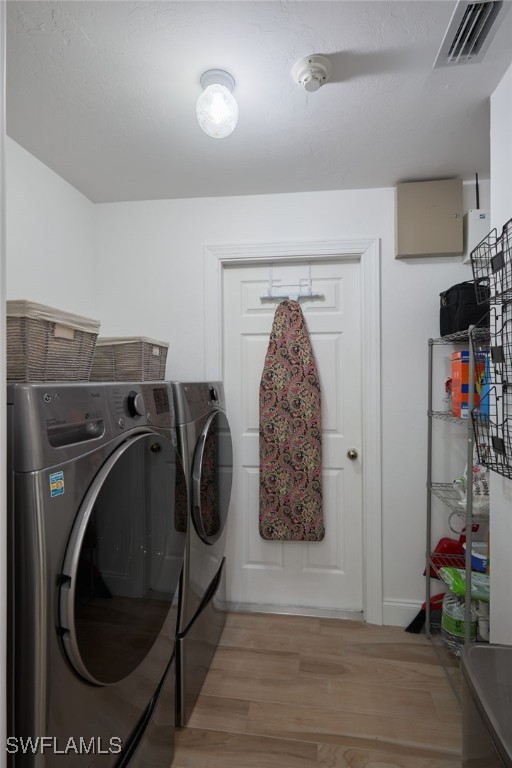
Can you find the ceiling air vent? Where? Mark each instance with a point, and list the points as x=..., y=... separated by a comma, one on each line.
x=471, y=29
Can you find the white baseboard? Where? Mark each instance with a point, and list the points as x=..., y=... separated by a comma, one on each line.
x=397, y=613
x=293, y=610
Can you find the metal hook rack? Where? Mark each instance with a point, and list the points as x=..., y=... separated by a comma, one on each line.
x=296, y=295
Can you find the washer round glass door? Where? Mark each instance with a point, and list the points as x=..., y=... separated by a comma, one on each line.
x=212, y=476
x=123, y=562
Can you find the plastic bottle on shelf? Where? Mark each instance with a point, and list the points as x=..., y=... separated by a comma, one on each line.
x=453, y=624
x=448, y=394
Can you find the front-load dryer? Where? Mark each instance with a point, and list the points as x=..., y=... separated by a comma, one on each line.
x=204, y=446
x=96, y=556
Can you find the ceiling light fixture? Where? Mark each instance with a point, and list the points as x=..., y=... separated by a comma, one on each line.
x=217, y=110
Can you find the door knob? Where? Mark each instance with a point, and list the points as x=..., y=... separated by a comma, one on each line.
x=352, y=454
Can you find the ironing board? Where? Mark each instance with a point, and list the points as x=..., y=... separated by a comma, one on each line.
x=290, y=433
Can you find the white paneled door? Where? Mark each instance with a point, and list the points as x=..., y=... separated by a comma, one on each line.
x=327, y=574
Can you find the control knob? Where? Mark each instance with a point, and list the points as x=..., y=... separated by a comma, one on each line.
x=135, y=404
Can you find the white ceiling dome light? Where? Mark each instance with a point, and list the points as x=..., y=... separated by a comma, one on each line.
x=216, y=109
x=312, y=71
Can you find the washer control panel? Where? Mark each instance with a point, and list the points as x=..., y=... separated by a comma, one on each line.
x=139, y=404
x=61, y=417
x=135, y=404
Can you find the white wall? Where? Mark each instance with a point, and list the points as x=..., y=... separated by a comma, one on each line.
x=50, y=236
x=501, y=488
x=138, y=267
x=153, y=253
x=3, y=416
x=150, y=282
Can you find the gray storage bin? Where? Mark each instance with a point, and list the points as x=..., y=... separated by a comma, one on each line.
x=487, y=706
x=129, y=359
x=47, y=344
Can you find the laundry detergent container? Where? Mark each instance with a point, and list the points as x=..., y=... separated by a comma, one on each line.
x=487, y=706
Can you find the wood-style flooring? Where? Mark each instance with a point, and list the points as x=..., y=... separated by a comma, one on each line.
x=298, y=692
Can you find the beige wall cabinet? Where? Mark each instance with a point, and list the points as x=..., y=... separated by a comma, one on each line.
x=429, y=218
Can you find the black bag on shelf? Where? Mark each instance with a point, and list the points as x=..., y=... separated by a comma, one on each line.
x=459, y=308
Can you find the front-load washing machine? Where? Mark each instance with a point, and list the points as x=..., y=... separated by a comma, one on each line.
x=204, y=446
x=96, y=556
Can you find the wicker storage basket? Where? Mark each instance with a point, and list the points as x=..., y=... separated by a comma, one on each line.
x=46, y=344
x=129, y=359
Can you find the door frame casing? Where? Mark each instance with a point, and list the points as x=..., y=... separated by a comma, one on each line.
x=367, y=251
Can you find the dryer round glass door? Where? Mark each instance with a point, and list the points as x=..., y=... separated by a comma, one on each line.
x=123, y=562
x=212, y=475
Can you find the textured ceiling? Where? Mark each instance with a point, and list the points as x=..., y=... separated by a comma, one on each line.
x=104, y=93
